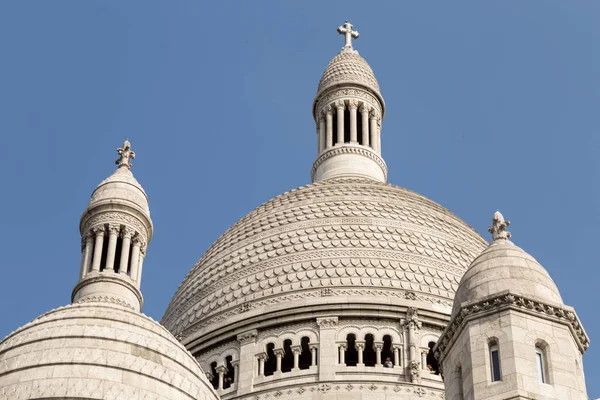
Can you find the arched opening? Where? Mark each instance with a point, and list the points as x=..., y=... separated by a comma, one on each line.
x=104, y=251
x=496, y=373
x=271, y=362
x=334, y=127
x=369, y=357
x=359, y=125
x=387, y=354
x=118, y=255
x=346, y=126
x=305, y=359
x=229, y=377
x=432, y=362
x=214, y=376
x=287, y=362
x=541, y=363
x=351, y=355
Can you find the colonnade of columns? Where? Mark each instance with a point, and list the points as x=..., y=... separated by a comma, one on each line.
x=370, y=125
x=280, y=353
x=222, y=371
x=359, y=345
x=131, y=257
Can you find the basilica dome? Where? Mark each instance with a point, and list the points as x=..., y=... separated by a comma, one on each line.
x=100, y=351
x=348, y=239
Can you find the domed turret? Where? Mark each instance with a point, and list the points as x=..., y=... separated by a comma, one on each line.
x=115, y=228
x=348, y=110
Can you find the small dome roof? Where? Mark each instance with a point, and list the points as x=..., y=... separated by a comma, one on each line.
x=349, y=67
x=99, y=351
x=503, y=266
x=121, y=187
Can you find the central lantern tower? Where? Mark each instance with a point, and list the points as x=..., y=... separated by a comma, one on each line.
x=337, y=289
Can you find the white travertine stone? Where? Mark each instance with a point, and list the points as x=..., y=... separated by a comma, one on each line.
x=99, y=241
x=86, y=257
x=113, y=233
x=364, y=111
x=340, y=106
x=126, y=234
x=98, y=351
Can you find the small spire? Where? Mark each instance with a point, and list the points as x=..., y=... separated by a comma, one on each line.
x=498, y=228
x=346, y=30
x=126, y=155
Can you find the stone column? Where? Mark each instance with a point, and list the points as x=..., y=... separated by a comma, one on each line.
x=378, y=135
x=378, y=348
x=135, y=255
x=322, y=133
x=138, y=278
x=340, y=107
x=99, y=233
x=221, y=370
x=247, y=362
x=373, y=131
x=352, y=107
x=262, y=357
x=313, y=355
x=86, y=256
x=359, y=345
x=236, y=371
x=364, y=111
x=397, y=361
x=329, y=122
x=126, y=234
x=342, y=350
x=327, y=350
x=113, y=233
x=424, y=359
x=278, y=355
x=296, y=350
x=413, y=324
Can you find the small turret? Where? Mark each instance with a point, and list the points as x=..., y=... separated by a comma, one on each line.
x=115, y=230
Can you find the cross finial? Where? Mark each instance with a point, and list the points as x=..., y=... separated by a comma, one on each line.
x=126, y=155
x=346, y=30
x=498, y=228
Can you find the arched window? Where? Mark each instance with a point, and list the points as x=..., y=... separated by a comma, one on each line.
x=387, y=355
x=271, y=362
x=432, y=363
x=351, y=353
x=369, y=357
x=305, y=356
x=229, y=377
x=215, y=377
x=496, y=373
x=540, y=360
x=287, y=362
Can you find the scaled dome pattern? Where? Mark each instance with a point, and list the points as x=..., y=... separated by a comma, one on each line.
x=122, y=186
x=98, y=351
x=348, y=67
x=337, y=237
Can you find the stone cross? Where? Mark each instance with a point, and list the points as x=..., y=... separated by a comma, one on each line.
x=126, y=155
x=498, y=228
x=346, y=29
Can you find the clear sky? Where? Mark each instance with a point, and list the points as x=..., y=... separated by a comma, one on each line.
x=490, y=105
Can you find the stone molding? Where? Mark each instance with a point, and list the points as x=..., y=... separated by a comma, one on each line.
x=508, y=301
x=247, y=337
x=323, y=105
x=349, y=149
x=327, y=322
x=105, y=299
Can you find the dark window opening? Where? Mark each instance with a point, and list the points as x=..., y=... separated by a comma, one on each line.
x=351, y=353
x=229, y=377
x=118, y=254
x=387, y=354
x=305, y=360
x=359, y=128
x=287, y=362
x=432, y=362
x=495, y=362
x=215, y=377
x=369, y=355
x=346, y=126
x=104, y=252
x=334, y=131
x=271, y=362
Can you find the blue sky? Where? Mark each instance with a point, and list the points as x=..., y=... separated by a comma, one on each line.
x=489, y=105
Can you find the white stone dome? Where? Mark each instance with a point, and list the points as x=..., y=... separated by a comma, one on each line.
x=98, y=351
x=503, y=266
x=121, y=187
x=344, y=238
x=348, y=67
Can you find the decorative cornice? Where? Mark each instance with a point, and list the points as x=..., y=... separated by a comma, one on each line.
x=105, y=299
x=327, y=322
x=247, y=337
x=505, y=301
x=349, y=149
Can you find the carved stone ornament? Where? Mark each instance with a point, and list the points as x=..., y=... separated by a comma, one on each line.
x=362, y=150
x=415, y=371
x=498, y=228
x=348, y=33
x=505, y=301
x=113, y=229
x=327, y=322
x=125, y=155
x=247, y=337
x=324, y=387
x=352, y=104
x=99, y=230
x=340, y=105
x=412, y=318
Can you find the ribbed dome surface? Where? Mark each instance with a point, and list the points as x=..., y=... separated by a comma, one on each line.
x=121, y=187
x=336, y=237
x=505, y=266
x=348, y=67
x=98, y=351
